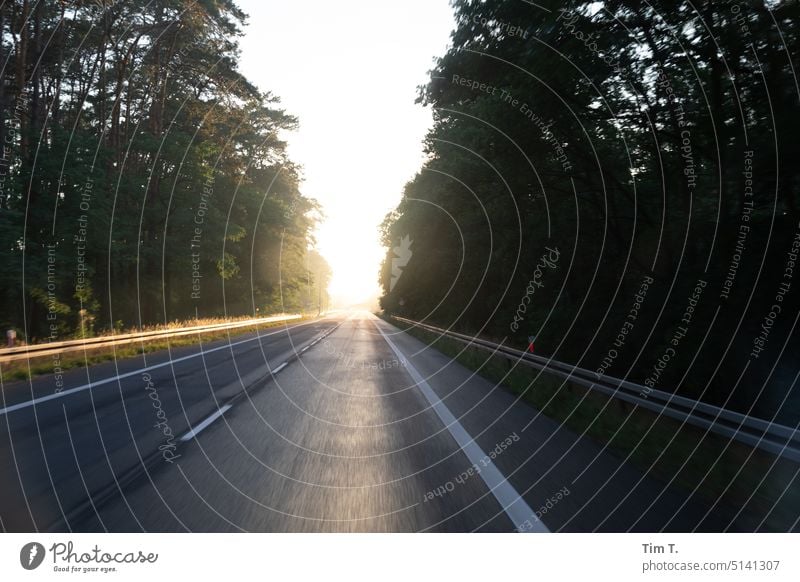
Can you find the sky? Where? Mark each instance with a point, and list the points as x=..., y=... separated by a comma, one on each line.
x=349, y=70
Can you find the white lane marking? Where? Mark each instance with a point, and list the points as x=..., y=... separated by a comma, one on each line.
x=223, y=409
x=41, y=399
x=515, y=507
x=203, y=425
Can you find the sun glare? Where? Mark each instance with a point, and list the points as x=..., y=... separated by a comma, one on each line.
x=354, y=256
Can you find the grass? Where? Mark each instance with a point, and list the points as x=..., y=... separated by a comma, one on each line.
x=718, y=468
x=24, y=369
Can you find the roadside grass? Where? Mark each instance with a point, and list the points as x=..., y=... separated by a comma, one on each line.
x=27, y=368
x=121, y=330
x=716, y=468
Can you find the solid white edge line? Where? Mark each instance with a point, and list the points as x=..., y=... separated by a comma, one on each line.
x=515, y=507
x=64, y=393
x=203, y=425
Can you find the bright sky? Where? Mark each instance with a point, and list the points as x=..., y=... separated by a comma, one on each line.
x=349, y=70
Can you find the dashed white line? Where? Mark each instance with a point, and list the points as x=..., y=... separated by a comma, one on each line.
x=203, y=425
x=515, y=507
x=117, y=377
x=223, y=409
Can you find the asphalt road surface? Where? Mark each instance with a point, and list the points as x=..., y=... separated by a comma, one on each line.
x=343, y=423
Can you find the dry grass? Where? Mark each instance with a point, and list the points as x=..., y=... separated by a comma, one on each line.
x=25, y=369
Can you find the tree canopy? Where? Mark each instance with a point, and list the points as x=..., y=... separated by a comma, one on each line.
x=617, y=180
x=143, y=177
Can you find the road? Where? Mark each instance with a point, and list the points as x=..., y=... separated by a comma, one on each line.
x=343, y=423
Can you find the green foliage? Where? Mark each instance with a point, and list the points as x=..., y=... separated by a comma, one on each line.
x=144, y=166
x=617, y=133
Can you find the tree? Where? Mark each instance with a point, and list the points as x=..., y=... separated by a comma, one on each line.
x=144, y=177
x=625, y=136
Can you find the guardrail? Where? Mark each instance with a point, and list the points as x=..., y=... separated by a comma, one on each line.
x=778, y=439
x=41, y=350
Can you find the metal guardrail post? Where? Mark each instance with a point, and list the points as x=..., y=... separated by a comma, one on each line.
x=777, y=439
x=40, y=350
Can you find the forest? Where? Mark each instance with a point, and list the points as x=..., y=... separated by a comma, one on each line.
x=143, y=178
x=616, y=183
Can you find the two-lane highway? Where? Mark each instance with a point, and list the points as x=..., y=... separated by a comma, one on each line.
x=340, y=424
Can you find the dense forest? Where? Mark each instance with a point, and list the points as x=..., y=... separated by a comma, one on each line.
x=619, y=182
x=143, y=178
